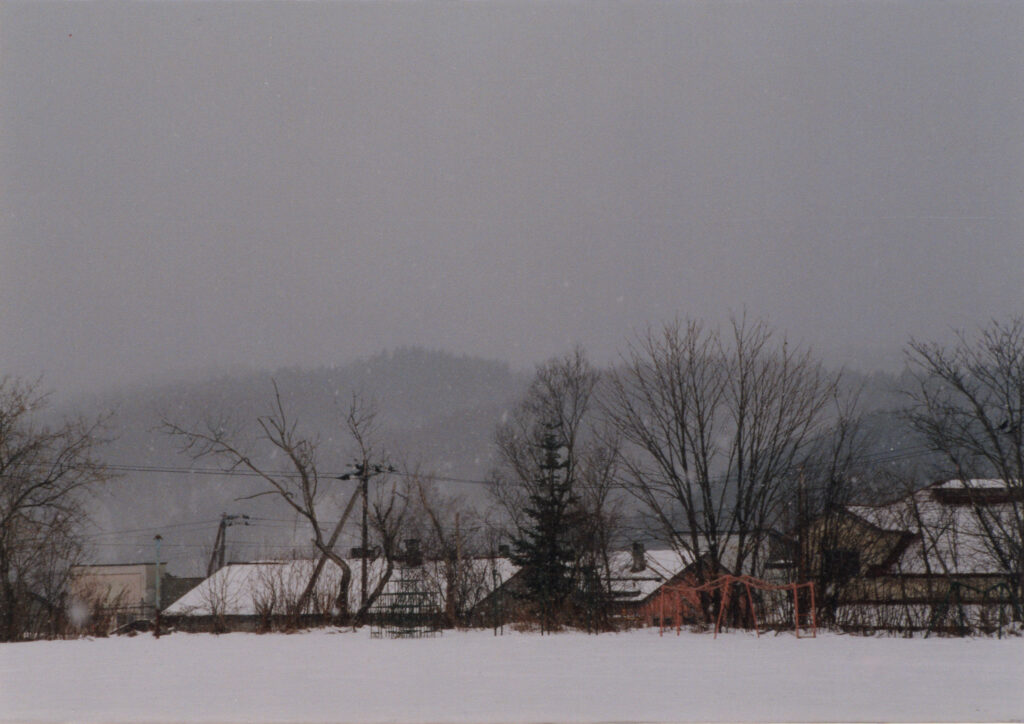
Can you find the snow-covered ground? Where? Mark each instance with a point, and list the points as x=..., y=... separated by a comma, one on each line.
x=475, y=676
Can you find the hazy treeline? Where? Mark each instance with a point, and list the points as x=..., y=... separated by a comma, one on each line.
x=706, y=440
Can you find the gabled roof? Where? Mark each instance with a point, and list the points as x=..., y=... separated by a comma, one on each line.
x=478, y=577
x=238, y=588
x=950, y=536
x=973, y=483
x=660, y=566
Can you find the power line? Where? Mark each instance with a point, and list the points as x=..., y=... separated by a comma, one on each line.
x=878, y=457
x=200, y=546
x=176, y=470
x=154, y=528
x=874, y=458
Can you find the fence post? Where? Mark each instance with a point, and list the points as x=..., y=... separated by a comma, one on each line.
x=796, y=610
x=753, y=613
x=814, y=612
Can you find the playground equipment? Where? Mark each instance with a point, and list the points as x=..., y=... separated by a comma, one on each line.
x=407, y=608
x=725, y=587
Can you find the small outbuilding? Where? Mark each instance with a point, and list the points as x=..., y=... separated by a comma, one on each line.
x=113, y=596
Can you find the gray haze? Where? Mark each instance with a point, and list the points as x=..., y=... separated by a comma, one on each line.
x=189, y=185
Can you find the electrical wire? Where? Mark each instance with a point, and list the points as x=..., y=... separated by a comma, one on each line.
x=881, y=457
x=874, y=458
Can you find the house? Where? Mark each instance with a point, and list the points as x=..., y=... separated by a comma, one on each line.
x=934, y=558
x=654, y=588
x=259, y=595
x=633, y=579
x=638, y=577
x=253, y=596
x=475, y=579
x=122, y=594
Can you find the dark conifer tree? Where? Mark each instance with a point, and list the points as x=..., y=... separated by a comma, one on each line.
x=543, y=547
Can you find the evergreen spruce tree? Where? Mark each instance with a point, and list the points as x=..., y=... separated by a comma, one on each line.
x=543, y=547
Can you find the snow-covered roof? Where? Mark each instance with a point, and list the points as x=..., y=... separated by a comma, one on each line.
x=243, y=589
x=952, y=538
x=636, y=585
x=476, y=579
x=957, y=484
x=893, y=517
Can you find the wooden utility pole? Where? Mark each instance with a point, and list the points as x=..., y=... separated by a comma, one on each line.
x=458, y=545
x=364, y=482
x=801, y=525
x=802, y=543
x=453, y=585
x=220, y=542
x=363, y=471
x=157, y=539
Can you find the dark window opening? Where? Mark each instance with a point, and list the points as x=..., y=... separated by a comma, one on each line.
x=840, y=564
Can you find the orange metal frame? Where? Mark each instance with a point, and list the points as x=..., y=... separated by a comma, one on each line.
x=725, y=585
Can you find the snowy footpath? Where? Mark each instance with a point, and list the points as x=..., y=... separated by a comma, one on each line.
x=477, y=677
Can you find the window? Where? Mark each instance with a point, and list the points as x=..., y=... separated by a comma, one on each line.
x=840, y=564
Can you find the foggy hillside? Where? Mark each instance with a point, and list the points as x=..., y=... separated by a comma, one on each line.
x=438, y=413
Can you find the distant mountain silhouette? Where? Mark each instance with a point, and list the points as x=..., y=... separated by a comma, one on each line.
x=438, y=413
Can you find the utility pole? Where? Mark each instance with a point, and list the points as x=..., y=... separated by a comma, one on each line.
x=157, y=539
x=220, y=542
x=458, y=546
x=453, y=584
x=363, y=471
x=801, y=527
x=801, y=524
x=364, y=481
x=496, y=612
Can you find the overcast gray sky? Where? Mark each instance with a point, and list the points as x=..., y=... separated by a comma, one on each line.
x=196, y=184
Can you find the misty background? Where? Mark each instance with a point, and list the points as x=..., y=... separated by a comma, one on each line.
x=427, y=198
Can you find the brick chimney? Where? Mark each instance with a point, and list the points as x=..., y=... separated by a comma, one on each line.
x=413, y=557
x=639, y=562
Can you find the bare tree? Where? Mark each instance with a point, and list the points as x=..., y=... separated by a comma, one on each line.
x=600, y=501
x=46, y=475
x=387, y=518
x=714, y=427
x=555, y=484
x=276, y=589
x=268, y=591
x=94, y=610
x=967, y=402
x=385, y=515
x=828, y=482
x=301, y=488
x=452, y=536
x=666, y=401
x=219, y=601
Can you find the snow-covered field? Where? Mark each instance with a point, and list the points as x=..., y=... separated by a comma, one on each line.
x=475, y=676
